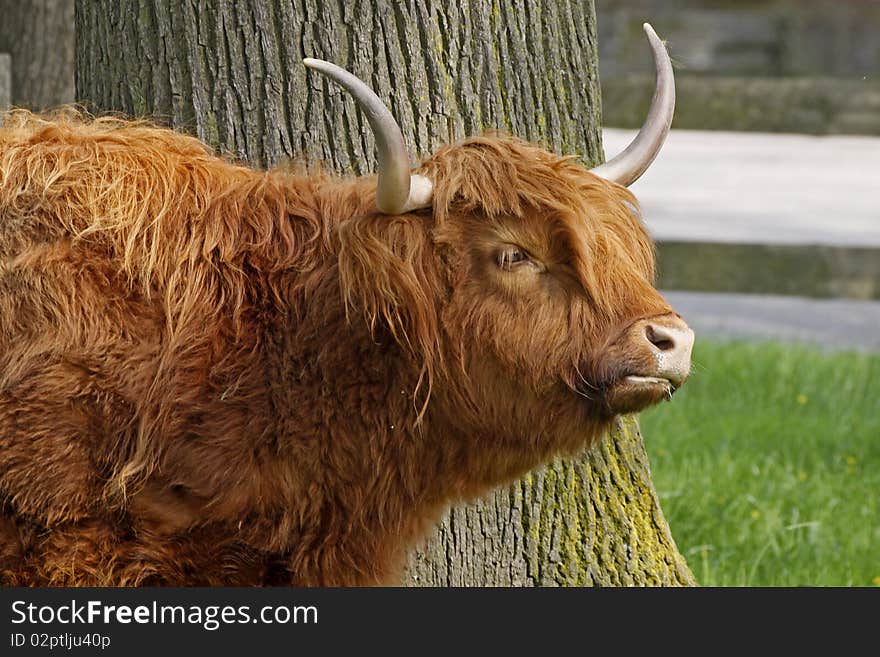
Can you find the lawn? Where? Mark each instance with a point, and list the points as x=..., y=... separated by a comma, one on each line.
x=768, y=466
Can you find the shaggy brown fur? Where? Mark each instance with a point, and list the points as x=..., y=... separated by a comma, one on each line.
x=214, y=375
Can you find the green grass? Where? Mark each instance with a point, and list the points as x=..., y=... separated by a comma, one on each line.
x=768, y=466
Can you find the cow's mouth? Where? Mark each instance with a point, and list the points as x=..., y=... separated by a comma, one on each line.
x=635, y=380
x=635, y=392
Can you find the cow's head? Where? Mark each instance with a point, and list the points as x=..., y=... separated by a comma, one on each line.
x=523, y=277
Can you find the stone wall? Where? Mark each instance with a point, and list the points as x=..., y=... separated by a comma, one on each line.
x=806, y=270
x=811, y=105
x=780, y=65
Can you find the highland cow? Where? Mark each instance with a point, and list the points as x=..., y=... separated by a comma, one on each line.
x=212, y=375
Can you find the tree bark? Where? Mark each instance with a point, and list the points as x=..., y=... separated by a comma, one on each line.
x=231, y=72
x=38, y=34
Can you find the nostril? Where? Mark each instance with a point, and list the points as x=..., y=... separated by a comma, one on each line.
x=659, y=337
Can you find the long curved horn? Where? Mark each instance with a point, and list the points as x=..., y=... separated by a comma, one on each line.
x=398, y=191
x=626, y=168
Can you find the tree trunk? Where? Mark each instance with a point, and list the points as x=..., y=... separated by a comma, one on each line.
x=231, y=72
x=38, y=34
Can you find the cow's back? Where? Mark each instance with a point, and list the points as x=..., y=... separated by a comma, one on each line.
x=111, y=330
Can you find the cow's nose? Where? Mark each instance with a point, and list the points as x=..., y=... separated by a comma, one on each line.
x=671, y=341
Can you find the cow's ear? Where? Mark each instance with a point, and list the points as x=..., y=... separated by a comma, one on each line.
x=388, y=275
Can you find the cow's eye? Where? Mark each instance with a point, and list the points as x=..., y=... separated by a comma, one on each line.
x=510, y=257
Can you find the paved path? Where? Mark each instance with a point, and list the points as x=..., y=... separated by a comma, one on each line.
x=830, y=323
x=768, y=189
x=765, y=188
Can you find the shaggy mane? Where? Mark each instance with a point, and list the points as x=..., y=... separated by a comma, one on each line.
x=180, y=220
x=504, y=178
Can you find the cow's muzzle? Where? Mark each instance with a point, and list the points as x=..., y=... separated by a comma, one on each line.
x=654, y=361
x=669, y=341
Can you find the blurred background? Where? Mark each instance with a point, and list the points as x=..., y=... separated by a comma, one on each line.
x=764, y=208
